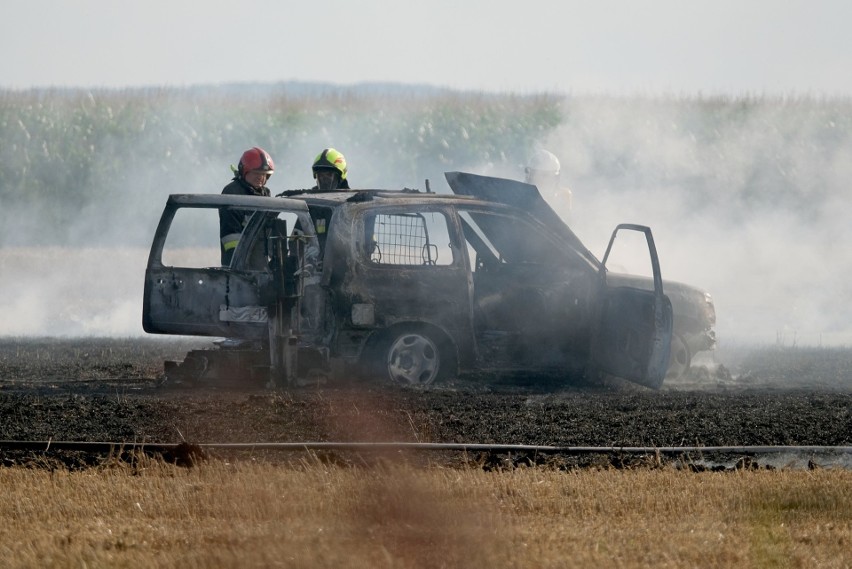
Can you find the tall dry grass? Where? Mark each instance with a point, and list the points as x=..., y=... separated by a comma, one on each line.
x=258, y=515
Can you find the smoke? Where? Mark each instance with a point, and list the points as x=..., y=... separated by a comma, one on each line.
x=79, y=270
x=58, y=291
x=747, y=199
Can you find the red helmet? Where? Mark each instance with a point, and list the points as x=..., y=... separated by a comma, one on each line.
x=256, y=159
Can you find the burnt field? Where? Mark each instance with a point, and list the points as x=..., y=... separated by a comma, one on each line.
x=110, y=390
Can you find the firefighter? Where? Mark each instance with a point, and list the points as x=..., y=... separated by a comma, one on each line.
x=329, y=170
x=250, y=179
x=543, y=171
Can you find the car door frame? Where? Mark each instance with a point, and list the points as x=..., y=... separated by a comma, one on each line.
x=435, y=295
x=220, y=301
x=549, y=339
x=632, y=338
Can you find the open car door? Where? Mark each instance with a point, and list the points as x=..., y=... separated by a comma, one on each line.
x=633, y=331
x=188, y=291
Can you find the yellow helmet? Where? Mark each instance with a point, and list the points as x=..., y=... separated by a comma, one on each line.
x=330, y=159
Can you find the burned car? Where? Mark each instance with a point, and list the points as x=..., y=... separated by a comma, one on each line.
x=412, y=286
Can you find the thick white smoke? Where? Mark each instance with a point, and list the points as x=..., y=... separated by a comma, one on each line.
x=748, y=199
x=753, y=209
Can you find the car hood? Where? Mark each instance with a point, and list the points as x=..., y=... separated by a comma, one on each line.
x=523, y=196
x=687, y=300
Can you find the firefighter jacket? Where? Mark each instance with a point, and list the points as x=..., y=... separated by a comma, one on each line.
x=232, y=222
x=343, y=185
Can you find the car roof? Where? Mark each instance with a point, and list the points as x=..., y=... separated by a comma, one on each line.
x=233, y=200
x=335, y=198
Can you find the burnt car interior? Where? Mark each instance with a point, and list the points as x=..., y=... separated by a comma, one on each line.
x=321, y=217
x=261, y=253
x=522, y=289
x=403, y=239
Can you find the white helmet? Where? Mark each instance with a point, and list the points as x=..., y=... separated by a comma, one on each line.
x=542, y=164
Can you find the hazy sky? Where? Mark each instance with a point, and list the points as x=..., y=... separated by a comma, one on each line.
x=762, y=272
x=602, y=46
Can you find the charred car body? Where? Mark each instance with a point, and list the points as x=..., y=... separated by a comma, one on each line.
x=413, y=286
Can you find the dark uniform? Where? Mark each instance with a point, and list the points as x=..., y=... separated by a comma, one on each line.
x=232, y=222
x=342, y=185
x=254, y=170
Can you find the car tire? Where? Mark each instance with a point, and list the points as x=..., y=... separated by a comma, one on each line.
x=413, y=357
x=680, y=358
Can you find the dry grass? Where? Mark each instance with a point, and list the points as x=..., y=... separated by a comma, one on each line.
x=259, y=515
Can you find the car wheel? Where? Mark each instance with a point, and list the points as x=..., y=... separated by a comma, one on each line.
x=679, y=358
x=413, y=358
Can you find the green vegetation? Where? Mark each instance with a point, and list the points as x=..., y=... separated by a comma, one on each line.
x=65, y=151
x=68, y=155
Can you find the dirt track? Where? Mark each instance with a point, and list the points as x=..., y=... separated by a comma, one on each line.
x=106, y=390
